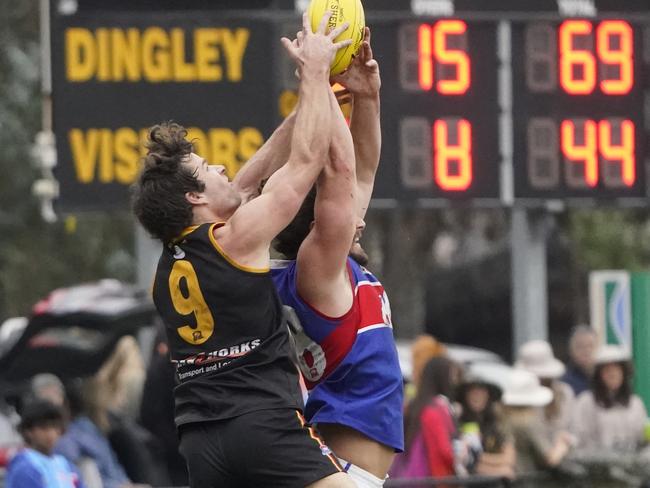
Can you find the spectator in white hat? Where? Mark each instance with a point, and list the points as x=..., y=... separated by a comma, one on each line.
x=611, y=417
x=523, y=396
x=537, y=357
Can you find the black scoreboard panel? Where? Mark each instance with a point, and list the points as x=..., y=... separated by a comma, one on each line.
x=480, y=103
x=117, y=73
x=439, y=109
x=580, y=108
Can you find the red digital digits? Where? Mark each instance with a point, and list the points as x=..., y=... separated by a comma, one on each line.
x=433, y=48
x=596, y=144
x=584, y=153
x=425, y=57
x=622, y=56
x=445, y=152
x=622, y=153
x=578, y=65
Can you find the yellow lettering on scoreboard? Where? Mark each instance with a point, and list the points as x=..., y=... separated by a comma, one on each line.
x=155, y=55
x=114, y=155
x=207, y=58
x=156, y=66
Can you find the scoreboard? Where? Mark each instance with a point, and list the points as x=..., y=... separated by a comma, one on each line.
x=515, y=105
x=563, y=113
x=580, y=117
x=440, y=109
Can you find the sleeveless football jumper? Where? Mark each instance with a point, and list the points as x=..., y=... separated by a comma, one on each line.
x=349, y=363
x=226, y=332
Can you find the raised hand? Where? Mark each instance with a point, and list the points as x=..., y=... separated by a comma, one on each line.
x=315, y=50
x=362, y=77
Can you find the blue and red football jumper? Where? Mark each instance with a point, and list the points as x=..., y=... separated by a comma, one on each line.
x=349, y=363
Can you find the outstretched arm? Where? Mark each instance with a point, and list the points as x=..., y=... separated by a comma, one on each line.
x=266, y=161
x=322, y=277
x=248, y=233
x=363, y=81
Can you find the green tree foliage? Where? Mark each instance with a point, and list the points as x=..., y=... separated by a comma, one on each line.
x=610, y=238
x=36, y=257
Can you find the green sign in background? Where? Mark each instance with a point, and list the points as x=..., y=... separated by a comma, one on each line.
x=641, y=334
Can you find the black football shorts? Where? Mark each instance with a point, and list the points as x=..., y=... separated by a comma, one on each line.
x=266, y=448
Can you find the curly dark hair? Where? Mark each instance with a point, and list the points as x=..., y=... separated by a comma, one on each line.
x=289, y=240
x=159, y=200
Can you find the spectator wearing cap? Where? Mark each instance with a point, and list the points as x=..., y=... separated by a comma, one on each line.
x=610, y=417
x=522, y=397
x=580, y=369
x=37, y=466
x=481, y=420
x=537, y=357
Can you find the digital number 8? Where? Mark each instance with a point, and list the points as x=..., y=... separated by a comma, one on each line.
x=445, y=153
x=194, y=303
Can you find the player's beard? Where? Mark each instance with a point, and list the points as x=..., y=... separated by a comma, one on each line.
x=359, y=255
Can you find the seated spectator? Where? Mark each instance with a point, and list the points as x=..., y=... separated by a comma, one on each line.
x=431, y=435
x=36, y=466
x=523, y=396
x=610, y=417
x=84, y=440
x=537, y=357
x=582, y=347
x=482, y=426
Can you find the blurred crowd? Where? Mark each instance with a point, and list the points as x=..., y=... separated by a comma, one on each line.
x=492, y=419
x=114, y=429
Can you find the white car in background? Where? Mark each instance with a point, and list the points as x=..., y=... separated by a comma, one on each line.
x=464, y=355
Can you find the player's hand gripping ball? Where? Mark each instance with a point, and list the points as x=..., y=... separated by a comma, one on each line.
x=342, y=11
